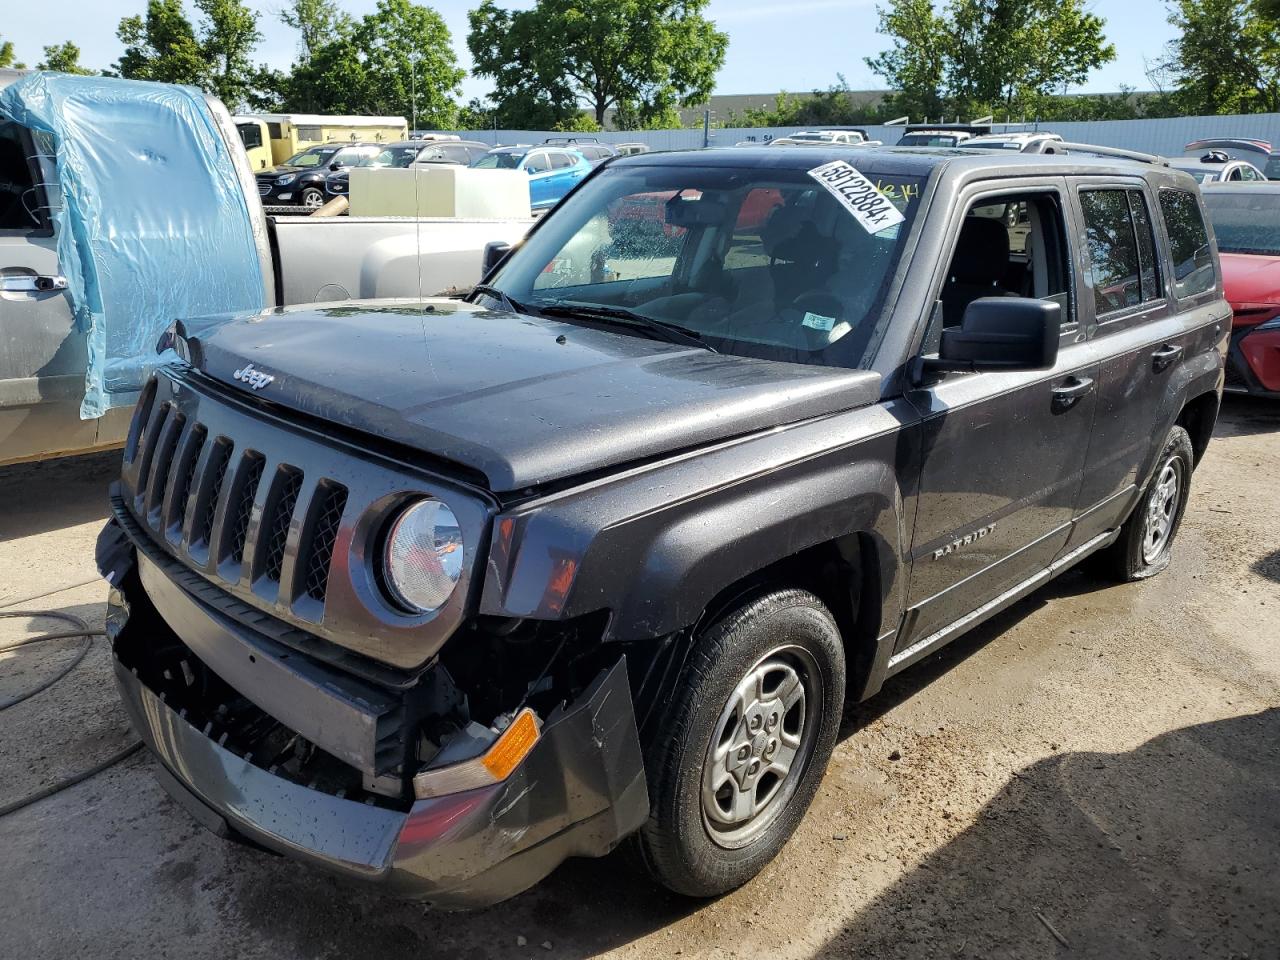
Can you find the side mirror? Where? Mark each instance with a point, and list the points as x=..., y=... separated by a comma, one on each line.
x=335, y=166
x=494, y=253
x=1002, y=333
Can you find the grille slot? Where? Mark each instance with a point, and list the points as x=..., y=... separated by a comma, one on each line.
x=216, y=470
x=288, y=485
x=153, y=431
x=138, y=429
x=326, y=516
x=161, y=466
x=179, y=496
x=240, y=507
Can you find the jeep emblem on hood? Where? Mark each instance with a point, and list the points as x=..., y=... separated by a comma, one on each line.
x=254, y=378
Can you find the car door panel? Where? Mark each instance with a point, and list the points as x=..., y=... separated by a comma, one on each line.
x=1003, y=460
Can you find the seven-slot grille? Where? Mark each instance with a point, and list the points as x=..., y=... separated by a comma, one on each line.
x=237, y=515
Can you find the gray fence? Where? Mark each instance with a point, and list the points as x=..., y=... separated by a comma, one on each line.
x=1166, y=136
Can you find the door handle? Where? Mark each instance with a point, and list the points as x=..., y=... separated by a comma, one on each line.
x=28, y=283
x=1068, y=394
x=1165, y=356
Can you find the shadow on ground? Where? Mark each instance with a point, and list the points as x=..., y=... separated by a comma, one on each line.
x=1169, y=850
x=40, y=497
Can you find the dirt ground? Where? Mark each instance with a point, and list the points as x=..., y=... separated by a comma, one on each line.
x=1096, y=773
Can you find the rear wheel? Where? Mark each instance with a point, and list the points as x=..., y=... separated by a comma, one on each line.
x=739, y=755
x=1146, y=539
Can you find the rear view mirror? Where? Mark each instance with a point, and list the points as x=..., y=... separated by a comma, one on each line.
x=494, y=252
x=1002, y=333
x=692, y=212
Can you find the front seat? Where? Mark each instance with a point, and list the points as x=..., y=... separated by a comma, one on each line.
x=980, y=263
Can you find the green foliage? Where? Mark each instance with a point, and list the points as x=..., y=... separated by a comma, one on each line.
x=397, y=60
x=228, y=37
x=317, y=22
x=7, y=57
x=1225, y=57
x=161, y=46
x=979, y=55
x=65, y=58
x=579, y=123
x=645, y=57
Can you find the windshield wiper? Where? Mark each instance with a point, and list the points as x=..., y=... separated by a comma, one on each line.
x=499, y=295
x=658, y=329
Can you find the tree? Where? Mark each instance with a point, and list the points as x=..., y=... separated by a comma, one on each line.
x=161, y=46
x=318, y=22
x=1225, y=57
x=915, y=67
x=65, y=58
x=397, y=60
x=228, y=36
x=7, y=56
x=1007, y=52
x=647, y=56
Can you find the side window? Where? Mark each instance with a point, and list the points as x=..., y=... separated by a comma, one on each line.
x=22, y=202
x=1188, y=243
x=1236, y=174
x=561, y=161
x=537, y=163
x=1248, y=173
x=1150, y=279
x=1009, y=246
x=273, y=131
x=1113, y=250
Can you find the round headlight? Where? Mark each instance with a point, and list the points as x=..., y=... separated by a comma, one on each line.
x=422, y=558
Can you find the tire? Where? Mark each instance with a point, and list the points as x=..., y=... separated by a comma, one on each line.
x=696, y=841
x=1146, y=539
x=312, y=198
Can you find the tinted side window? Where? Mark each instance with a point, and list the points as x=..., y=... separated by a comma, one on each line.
x=21, y=202
x=1150, y=284
x=561, y=161
x=1188, y=242
x=1112, y=248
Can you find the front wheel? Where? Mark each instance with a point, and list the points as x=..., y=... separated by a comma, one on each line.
x=312, y=198
x=1146, y=539
x=744, y=744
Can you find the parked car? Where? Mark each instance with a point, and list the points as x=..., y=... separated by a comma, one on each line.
x=300, y=181
x=553, y=171
x=591, y=148
x=1022, y=142
x=1217, y=166
x=408, y=153
x=829, y=136
x=158, y=240
x=1246, y=221
x=603, y=550
x=631, y=149
x=940, y=135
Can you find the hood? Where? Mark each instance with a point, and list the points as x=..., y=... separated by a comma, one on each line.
x=522, y=400
x=1251, y=283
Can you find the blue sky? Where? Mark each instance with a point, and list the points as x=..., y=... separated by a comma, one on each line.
x=797, y=46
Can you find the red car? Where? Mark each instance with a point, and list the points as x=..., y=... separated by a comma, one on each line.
x=1246, y=219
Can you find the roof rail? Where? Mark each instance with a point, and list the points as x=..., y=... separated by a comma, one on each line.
x=1111, y=152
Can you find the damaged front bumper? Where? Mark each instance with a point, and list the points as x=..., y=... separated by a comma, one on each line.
x=578, y=791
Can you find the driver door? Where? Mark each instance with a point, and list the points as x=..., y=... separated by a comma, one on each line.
x=1002, y=453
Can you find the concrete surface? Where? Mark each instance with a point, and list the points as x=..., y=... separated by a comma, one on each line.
x=1096, y=773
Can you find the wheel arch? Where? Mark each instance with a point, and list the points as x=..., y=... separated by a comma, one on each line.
x=1198, y=417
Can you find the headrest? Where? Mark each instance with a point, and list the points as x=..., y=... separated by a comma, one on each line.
x=793, y=234
x=982, y=252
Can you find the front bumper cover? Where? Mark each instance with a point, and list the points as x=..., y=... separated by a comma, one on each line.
x=578, y=792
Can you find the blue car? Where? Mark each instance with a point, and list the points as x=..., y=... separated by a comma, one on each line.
x=553, y=171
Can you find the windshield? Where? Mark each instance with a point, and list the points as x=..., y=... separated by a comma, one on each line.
x=499, y=161
x=395, y=157
x=1245, y=221
x=1196, y=170
x=764, y=263
x=313, y=157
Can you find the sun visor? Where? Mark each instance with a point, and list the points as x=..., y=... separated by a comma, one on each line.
x=154, y=223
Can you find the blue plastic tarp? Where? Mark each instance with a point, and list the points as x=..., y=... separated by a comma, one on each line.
x=154, y=224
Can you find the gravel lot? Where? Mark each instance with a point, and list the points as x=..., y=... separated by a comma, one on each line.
x=1096, y=773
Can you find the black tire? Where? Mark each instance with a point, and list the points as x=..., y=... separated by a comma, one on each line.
x=679, y=845
x=309, y=196
x=1132, y=556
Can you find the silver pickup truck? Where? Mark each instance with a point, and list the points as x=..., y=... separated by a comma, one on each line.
x=45, y=342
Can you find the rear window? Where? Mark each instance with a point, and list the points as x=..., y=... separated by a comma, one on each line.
x=1245, y=221
x=1193, y=271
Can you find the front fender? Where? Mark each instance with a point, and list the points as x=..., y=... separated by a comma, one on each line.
x=655, y=545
